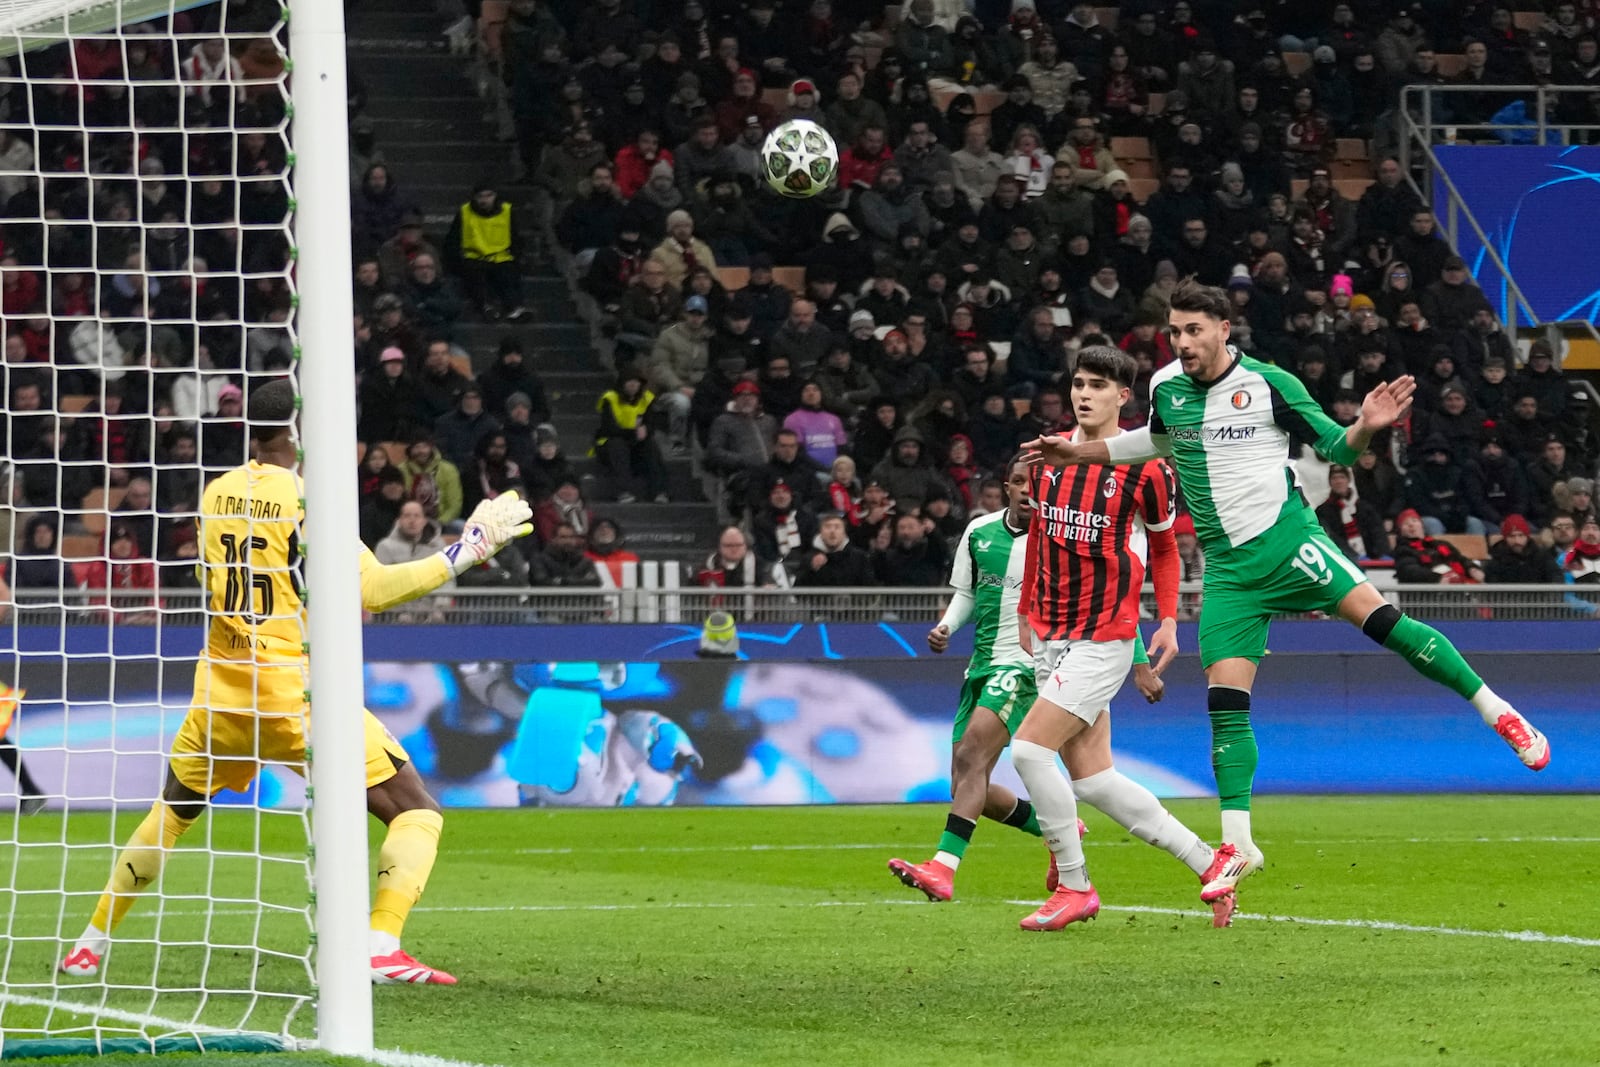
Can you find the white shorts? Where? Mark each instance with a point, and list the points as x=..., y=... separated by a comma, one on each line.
x=1081, y=676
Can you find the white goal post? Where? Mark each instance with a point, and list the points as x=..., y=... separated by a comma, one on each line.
x=174, y=230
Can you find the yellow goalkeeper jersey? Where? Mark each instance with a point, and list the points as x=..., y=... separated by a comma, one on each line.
x=252, y=572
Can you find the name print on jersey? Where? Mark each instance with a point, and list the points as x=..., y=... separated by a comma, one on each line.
x=1067, y=523
x=1212, y=433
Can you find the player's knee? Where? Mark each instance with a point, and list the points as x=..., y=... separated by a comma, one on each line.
x=966, y=760
x=1381, y=623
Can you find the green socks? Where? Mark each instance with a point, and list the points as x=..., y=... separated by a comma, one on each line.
x=1433, y=656
x=1024, y=818
x=1233, y=746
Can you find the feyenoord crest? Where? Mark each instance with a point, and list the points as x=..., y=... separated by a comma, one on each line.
x=1241, y=399
x=1109, y=486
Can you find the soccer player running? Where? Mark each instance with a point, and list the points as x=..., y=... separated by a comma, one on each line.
x=1225, y=420
x=249, y=705
x=1093, y=528
x=985, y=580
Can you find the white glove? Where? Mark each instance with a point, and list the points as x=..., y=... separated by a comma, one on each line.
x=492, y=525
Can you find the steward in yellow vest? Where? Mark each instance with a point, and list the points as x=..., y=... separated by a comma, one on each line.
x=485, y=249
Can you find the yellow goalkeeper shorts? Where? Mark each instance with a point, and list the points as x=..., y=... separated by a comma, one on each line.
x=224, y=749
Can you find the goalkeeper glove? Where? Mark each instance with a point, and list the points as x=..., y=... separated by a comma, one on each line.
x=492, y=525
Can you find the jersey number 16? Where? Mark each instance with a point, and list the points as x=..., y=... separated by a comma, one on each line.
x=238, y=595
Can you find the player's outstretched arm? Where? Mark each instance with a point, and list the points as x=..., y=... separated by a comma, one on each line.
x=493, y=525
x=1383, y=407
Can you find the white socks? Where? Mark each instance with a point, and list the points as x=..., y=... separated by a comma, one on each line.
x=381, y=944
x=1490, y=705
x=94, y=939
x=1137, y=810
x=1055, y=807
x=1236, y=830
x=949, y=859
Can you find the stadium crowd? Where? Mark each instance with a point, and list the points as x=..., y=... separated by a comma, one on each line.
x=847, y=374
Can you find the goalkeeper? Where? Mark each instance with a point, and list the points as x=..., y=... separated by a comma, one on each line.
x=249, y=688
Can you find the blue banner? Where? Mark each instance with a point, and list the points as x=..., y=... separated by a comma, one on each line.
x=1535, y=204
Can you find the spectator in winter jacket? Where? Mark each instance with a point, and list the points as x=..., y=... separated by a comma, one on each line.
x=432, y=481
x=834, y=563
x=678, y=363
x=821, y=432
x=846, y=385
x=1436, y=489
x=458, y=432
x=913, y=558
x=438, y=383
x=734, y=566
x=1496, y=485
x=782, y=526
x=510, y=374
x=635, y=160
x=382, y=508
x=850, y=112
x=396, y=254
x=1542, y=379
x=563, y=564
x=1419, y=559
x=414, y=536
x=681, y=251
x=1352, y=523
x=624, y=443
x=491, y=473
x=376, y=209
x=607, y=552
x=905, y=472
x=435, y=306
x=590, y=221
x=1516, y=557
x=739, y=442
x=614, y=267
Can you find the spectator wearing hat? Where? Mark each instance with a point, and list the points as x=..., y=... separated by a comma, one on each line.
x=736, y=338
x=728, y=225
x=923, y=44
x=510, y=374
x=883, y=298
x=1452, y=302
x=846, y=383
x=1421, y=559
x=608, y=552
x=389, y=404
x=833, y=562
x=822, y=289
x=1353, y=524
x=820, y=432
x=613, y=268
x=397, y=253
x=381, y=508
x=745, y=101
x=590, y=221
x=1496, y=484
x=780, y=387
x=678, y=363
x=1207, y=82
x=685, y=108
x=1106, y=301
x=485, y=244
x=900, y=376
x=782, y=525
x=1517, y=558
x=748, y=162
x=222, y=436
x=1574, y=497
x=804, y=101
x=1545, y=381
x=1435, y=487
x=1492, y=391
x=907, y=472
x=738, y=445
x=681, y=251
x=458, y=432
x=548, y=466
x=766, y=301
x=851, y=112
x=624, y=443
x=1400, y=41
x=520, y=431
x=1454, y=419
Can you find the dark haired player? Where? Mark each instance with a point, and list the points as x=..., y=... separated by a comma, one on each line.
x=1225, y=420
x=1093, y=529
x=249, y=688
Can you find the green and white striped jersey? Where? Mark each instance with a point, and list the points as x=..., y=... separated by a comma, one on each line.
x=1229, y=444
x=988, y=568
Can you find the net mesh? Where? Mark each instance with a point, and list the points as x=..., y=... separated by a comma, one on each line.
x=146, y=254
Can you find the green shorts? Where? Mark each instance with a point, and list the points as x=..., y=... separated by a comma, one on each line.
x=1008, y=692
x=1291, y=569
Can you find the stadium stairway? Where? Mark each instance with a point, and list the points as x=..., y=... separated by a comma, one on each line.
x=439, y=136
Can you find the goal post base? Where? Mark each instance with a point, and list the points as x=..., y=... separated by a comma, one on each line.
x=32, y=1050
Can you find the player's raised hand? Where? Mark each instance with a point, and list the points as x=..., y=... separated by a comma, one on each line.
x=492, y=525
x=1164, y=645
x=1149, y=683
x=1053, y=449
x=939, y=639
x=1387, y=403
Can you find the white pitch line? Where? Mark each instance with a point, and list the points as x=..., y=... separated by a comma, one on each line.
x=383, y=1057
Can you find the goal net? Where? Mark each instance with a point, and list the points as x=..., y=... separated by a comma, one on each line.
x=146, y=252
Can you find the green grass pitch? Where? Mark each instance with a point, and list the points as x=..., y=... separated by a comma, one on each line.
x=776, y=936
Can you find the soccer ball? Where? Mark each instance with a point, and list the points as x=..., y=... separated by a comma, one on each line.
x=800, y=158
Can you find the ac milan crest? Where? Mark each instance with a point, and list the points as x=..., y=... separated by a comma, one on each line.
x=1109, y=486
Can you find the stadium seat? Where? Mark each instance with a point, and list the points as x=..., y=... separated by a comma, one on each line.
x=1108, y=17
x=396, y=450
x=1351, y=148
x=1021, y=405
x=1352, y=188
x=1473, y=546
x=1140, y=168
x=1157, y=103
x=985, y=101
x=74, y=403
x=463, y=366
x=1297, y=63
x=96, y=504
x=1527, y=21
x=1127, y=149
x=777, y=99
x=791, y=278
x=1451, y=63
x=1297, y=189
x=733, y=278
x=82, y=546
x=1143, y=188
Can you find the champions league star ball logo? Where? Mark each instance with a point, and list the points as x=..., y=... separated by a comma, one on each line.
x=1240, y=400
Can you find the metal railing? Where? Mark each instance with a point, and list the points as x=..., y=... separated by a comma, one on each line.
x=482, y=607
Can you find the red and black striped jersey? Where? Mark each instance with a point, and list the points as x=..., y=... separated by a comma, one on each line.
x=1087, y=547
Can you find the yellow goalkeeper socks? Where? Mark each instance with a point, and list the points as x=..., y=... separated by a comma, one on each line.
x=139, y=865
x=404, y=863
